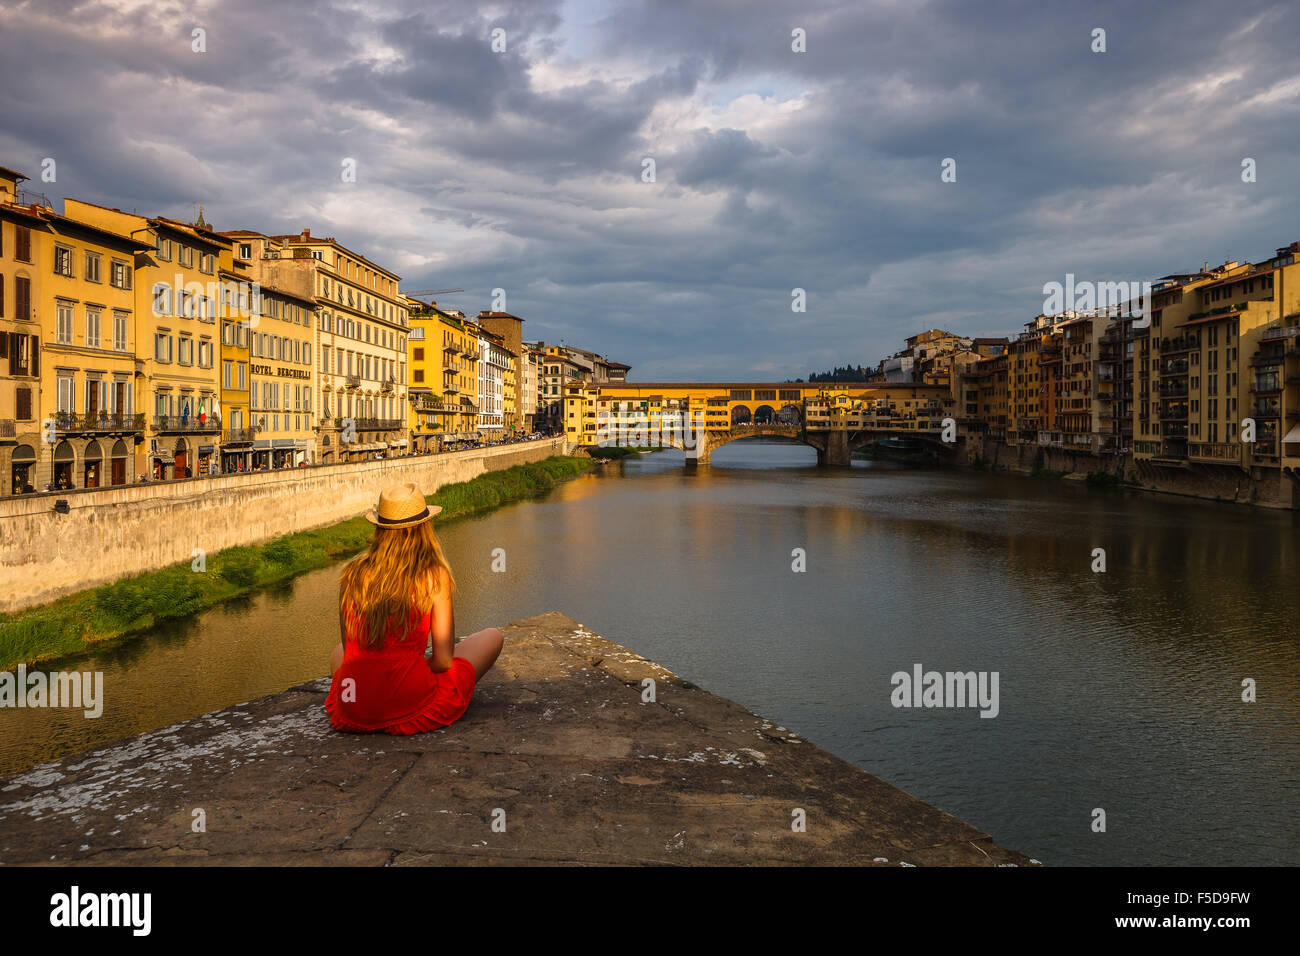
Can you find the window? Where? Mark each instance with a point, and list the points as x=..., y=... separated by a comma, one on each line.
x=205, y=353
x=63, y=330
x=245, y=250
x=93, y=261
x=23, y=299
x=162, y=347
x=92, y=326
x=63, y=261
x=119, y=274
x=185, y=351
x=164, y=249
x=66, y=390
x=162, y=299
x=23, y=244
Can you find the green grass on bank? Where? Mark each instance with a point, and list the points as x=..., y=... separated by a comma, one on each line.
x=88, y=618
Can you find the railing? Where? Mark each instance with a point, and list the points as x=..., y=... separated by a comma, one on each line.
x=1174, y=368
x=1280, y=332
x=384, y=424
x=1173, y=414
x=1267, y=360
x=1265, y=411
x=182, y=423
x=8, y=429
x=102, y=422
x=1266, y=387
x=238, y=434
x=1180, y=344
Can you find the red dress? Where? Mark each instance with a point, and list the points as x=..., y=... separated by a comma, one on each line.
x=392, y=688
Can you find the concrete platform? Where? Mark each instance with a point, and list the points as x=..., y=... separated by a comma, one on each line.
x=558, y=745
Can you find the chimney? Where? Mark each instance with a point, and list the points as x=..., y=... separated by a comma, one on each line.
x=306, y=233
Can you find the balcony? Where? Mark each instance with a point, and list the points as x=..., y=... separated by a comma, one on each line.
x=238, y=436
x=1183, y=343
x=1265, y=411
x=1172, y=390
x=190, y=424
x=1177, y=367
x=1266, y=387
x=8, y=428
x=381, y=424
x=1178, y=413
x=1281, y=332
x=352, y=381
x=1262, y=361
x=102, y=422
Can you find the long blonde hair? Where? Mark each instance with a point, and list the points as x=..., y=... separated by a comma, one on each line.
x=393, y=583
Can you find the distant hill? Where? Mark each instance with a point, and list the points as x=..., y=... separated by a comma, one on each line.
x=849, y=373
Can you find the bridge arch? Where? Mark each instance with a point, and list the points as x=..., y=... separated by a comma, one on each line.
x=764, y=415
x=790, y=414
x=740, y=415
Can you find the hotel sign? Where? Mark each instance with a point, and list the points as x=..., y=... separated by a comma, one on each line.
x=282, y=371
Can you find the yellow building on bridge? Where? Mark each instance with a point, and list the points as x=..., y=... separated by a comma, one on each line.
x=701, y=416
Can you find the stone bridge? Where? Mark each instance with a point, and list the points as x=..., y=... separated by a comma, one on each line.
x=833, y=418
x=833, y=446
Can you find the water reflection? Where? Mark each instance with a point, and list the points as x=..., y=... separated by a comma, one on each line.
x=1119, y=690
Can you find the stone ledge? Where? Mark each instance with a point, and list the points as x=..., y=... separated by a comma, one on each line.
x=557, y=737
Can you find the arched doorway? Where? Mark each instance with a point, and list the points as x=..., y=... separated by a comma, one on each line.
x=181, y=469
x=741, y=415
x=764, y=415
x=789, y=415
x=118, y=468
x=22, y=465
x=94, y=464
x=64, y=458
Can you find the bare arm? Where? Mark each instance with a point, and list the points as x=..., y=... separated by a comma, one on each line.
x=442, y=628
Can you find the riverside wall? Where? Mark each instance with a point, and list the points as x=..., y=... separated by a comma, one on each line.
x=110, y=533
x=1269, y=488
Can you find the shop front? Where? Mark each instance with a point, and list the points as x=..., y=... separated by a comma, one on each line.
x=206, y=457
x=262, y=454
x=64, y=460
x=282, y=453
x=22, y=470
x=93, y=465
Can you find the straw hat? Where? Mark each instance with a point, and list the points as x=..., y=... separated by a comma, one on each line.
x=401, y=506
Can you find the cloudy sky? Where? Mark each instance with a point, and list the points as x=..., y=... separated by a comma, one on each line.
x=774, y=169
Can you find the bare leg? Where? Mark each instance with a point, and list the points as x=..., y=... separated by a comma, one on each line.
x=336, y=659
x=481, y=649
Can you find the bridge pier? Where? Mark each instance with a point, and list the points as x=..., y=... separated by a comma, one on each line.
x=837, y=452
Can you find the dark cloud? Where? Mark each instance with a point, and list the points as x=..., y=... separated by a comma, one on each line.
x=774, y=169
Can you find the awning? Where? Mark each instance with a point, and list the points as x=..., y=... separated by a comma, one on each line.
x=206, y=449
x=1293, y=434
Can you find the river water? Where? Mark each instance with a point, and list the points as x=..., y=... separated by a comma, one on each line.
x=1119, y=691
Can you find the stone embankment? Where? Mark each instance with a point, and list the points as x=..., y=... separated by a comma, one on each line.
x=561, y=759
x=110, y=533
